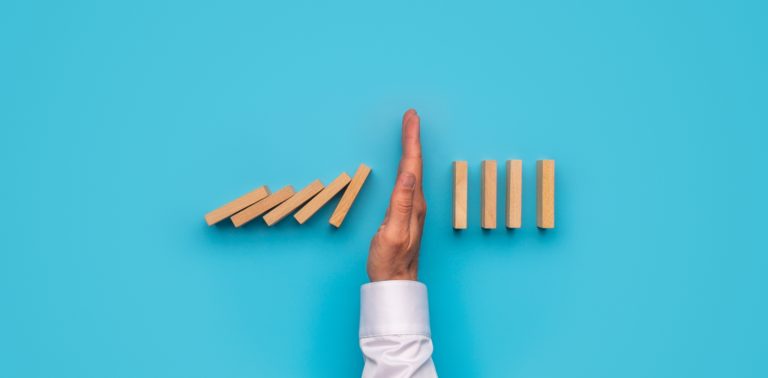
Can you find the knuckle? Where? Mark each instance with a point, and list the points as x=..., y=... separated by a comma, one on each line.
x=395, y=240
x=421, y=209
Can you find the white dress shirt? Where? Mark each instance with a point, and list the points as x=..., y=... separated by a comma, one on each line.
x=394, y=330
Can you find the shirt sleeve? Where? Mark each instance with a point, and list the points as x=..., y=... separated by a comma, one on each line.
x=394, y=330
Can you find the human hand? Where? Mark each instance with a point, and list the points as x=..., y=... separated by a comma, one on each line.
x=394, y=252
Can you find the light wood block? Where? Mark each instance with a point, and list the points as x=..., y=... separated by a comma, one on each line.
x=460, y=195
x=233, y=207
x=322, y=198
x=261, y=207
x=488, y=194
x=293, y=203
x=514, y=193
x=345, y=203
x=545, y=193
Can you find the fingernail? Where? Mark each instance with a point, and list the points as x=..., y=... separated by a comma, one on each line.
x=408, y=180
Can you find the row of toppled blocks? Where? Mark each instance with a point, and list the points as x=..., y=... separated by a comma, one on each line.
x=545, y=194
x=276, y=206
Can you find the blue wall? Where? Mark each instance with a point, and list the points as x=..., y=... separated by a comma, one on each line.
x=122, y=123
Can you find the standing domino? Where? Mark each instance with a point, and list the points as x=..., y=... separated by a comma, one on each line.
x=545, y=193
x=488, y=194
x=514, y=193
x=460, y=195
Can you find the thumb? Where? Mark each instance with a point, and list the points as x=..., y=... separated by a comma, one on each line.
x=401, y=203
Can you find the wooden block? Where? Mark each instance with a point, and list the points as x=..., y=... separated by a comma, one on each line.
x=322, y=198
x=233, y=207
x=349, y=195
x=488, y=194
x=293, y=203
x=514, y=193
x=460, y=195
x=545, y=193
x=261, y=207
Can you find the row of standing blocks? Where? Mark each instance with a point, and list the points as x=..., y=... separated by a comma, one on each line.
x=545, y=194
x=276, y=206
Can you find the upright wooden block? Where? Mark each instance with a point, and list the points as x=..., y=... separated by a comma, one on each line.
x=545, y=193
x=261, y=207
x=349, y=195
x=322, y=198
x=460, y=195
x=514, y=193
x=293, y=203
x=233, y=207
x=488, y=194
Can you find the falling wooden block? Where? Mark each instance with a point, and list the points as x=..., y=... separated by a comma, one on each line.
x=488, y=194
x=349, y=195
x=460, y=194
x=261, y=207
x=293, y=203
x=322, y=198
x=545, y=193
x=233, y=207
x=514, y=193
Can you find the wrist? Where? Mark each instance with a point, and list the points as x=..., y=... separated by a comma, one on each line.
x=393, y=278
x=376, y=276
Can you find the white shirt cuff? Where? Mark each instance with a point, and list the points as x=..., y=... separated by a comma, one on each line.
x=394, y=308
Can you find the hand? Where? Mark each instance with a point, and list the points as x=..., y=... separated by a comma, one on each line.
x=394, y=252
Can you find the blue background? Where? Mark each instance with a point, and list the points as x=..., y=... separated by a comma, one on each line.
x=122, y=123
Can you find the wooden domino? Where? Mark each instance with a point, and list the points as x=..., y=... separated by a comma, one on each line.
x=353, y=189
x=488, y=194
x=514, y=193
x=322, y=198
x=293, y=203
x=261, y=207
x=460, y=195
x=545, y=193
x=233, y=207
